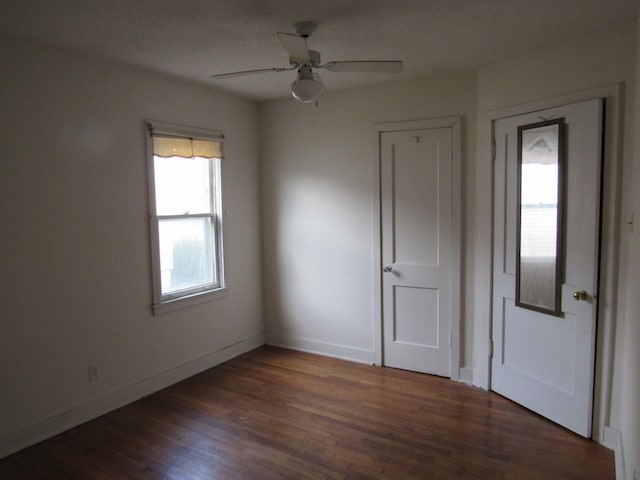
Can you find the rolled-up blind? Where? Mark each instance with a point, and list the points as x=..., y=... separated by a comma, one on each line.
x=185, y=147
x=186, y=142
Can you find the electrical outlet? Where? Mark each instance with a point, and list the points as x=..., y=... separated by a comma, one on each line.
x=92, y=373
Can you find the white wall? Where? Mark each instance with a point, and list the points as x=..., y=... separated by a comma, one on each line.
x=318, y=204
x=76, y=274
x=76, y=265
x=602, y=58
x=630, y=317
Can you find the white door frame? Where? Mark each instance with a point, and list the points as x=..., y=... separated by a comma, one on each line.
x=379, y=128
x=611, y=173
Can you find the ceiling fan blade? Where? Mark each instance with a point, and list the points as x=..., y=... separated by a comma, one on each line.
x=250, y=72
x=296, y=45
x=365, y=66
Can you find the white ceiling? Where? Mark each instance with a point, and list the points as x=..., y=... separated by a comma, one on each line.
x=197, y=38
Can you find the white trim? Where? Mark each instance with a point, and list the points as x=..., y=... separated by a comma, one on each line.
x=327, y=349
x=608, y=256
x=466, y=375
x=167, y=303
x=456, y=246
x=612, y=438
x=376, y=223
x=170, y=129
x=184, y=302
x=456, y=158
x=18, y=439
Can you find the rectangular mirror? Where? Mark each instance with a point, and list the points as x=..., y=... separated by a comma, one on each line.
x=539, y=233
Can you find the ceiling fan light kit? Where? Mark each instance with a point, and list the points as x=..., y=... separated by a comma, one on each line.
x=307, y=86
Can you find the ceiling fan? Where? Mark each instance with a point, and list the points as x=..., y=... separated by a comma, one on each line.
x=307, y=85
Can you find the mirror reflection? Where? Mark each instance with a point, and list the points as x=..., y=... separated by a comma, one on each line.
x=539, y=216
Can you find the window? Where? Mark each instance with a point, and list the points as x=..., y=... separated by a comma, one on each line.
x=186, y=221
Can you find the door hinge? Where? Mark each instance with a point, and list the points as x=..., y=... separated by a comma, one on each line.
x=493, y=149
x=490, y=348
x=449, y=338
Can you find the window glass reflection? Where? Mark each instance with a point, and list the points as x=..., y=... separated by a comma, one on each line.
x=538, y=282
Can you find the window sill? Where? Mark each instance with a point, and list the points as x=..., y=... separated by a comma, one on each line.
x=188, y=301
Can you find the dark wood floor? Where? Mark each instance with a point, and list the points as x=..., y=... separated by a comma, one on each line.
x=275, y=413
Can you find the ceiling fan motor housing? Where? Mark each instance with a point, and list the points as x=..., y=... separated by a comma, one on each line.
x=314, y=60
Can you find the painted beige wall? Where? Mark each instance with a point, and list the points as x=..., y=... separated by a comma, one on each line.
x=318, y=204
x=76, y=275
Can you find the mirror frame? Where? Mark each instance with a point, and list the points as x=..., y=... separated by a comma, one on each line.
x=560, y=233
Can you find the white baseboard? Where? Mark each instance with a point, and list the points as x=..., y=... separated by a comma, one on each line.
x=480, y=380
x=466, y=375
x=612, y=438
x=326, y=349
x=18, y=439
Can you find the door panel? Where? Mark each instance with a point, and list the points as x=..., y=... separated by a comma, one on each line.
x=551, y=366
x=410, y=328
x=416, y=199
x=546, y=362
x=415, y=185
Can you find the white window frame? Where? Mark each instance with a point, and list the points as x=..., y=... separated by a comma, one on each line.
x=204, y=293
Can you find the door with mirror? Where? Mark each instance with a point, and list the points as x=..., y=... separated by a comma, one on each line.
x=545, y=268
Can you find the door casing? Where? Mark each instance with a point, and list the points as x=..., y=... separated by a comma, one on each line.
x=454, y=123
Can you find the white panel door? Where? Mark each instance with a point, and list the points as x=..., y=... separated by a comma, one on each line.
x=546, y=362
x=416, y=207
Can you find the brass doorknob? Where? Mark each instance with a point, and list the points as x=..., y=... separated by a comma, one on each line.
x=580, y=295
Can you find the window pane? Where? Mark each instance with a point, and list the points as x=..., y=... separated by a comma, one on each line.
x=187, y=254
x=182, y=185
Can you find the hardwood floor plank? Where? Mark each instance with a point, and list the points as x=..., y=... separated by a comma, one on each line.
x=280, y=414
